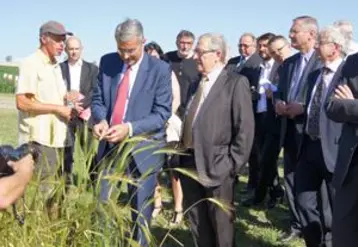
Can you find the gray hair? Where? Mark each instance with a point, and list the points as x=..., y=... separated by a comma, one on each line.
x=251, y=35
x=345, y=27
x=334, y=35
x=278, y=37
x=309, y=23
x=185, y=33
x=129, y=29
x=216, y=42
x=73, y=38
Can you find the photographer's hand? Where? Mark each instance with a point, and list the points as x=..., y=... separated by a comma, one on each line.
x=12, y=187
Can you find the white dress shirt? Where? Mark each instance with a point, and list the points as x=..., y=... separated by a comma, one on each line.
x=212, y=77
x=75, y=74
x=132, y=77
x=264, y=83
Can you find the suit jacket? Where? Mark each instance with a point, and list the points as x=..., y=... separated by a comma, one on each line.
x=329, y=131
x=346, y=112
x=252, y=63
x=223, y=130
x=286, y=75
x=88, y=80
x=149, y=105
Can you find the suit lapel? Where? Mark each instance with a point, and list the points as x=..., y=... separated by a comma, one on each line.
x=66, y=72
x=335, y=80
x=291, y=69
x=83, y=78
x=216, y=88
x=114, y=85
x=140, y=79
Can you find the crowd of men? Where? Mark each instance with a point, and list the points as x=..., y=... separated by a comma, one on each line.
x=233, y=112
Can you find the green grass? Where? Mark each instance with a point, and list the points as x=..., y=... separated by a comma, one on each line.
x=8, y=126
x=256, y=227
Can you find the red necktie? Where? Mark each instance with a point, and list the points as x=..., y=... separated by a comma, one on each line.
x=122, y=92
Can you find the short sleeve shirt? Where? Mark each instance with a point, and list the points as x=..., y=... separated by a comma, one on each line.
x=43, y=79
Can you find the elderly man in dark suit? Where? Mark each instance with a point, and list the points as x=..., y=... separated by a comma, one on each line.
x=80, y=77
x=342, y=107
x=133, y=97
x=218, y=134
x=318, y=146
x=290, y=100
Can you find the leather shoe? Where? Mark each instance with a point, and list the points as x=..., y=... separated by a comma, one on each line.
x=288, y=236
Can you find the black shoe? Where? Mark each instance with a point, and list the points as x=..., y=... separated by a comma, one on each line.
x=288, y=236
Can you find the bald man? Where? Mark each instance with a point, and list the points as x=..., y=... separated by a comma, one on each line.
x=80, y=77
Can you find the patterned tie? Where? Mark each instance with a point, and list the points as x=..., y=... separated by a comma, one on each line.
x=315, y=107
x=189, y=119
x=122, y=92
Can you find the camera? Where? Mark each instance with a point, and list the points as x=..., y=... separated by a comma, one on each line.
x=8, y=153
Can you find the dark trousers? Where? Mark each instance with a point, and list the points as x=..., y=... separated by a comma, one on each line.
x=255, y=155
x=211, y=226
x=310, y=174
x=269, y=179
x=140, y=196
x=290, y=164
x=345, y=213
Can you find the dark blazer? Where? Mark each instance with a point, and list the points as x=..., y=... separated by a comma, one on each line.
x=253, y=63
x=88, y=80
x=346, y=112
x=286, y=75
x=223, y=131
x=149, y=105
x=329, y=130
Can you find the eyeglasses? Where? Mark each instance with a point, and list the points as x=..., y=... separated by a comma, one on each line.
x=278, y=50
x=202, y=52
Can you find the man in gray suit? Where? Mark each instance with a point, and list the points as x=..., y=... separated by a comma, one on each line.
x=318, y=149
x=218, y=134
x=342, y=107
x=80, y=77
x=290, y=100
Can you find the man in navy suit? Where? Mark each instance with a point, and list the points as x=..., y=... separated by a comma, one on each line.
x=133, y=97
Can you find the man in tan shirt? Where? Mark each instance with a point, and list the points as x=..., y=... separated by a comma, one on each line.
x=43, y=114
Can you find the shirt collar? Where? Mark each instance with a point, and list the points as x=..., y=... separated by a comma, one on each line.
x=267, y=64
x=45, y=59
x=78, y=63
x=333, y=66
x=307, y=56
x=214, y=74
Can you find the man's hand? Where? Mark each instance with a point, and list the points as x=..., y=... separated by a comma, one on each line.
x=281, y=108
x=100, y=130
x=117, y=133
x=343, y=92
x=64, y=112
x=23, y=167
x=294, y=109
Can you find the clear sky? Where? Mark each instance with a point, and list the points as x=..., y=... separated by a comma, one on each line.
x=94, y=21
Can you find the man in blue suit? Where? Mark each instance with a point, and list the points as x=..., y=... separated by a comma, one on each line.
x=133, y=97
